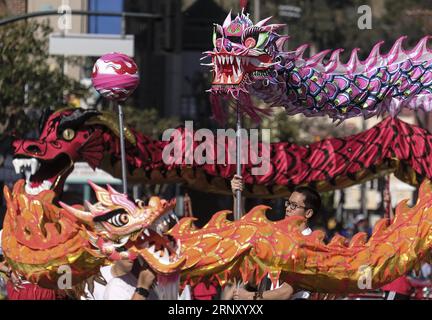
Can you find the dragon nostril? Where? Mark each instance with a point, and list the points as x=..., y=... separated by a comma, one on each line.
x=33, y=149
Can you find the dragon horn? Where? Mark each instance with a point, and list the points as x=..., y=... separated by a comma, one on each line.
x=227, y=21
x=112, y=190
x=77, y=118
x=263, y=22
x=91, y=207
x=281, y=41
x=81, y=215
x=101, y=194
x=273, y=27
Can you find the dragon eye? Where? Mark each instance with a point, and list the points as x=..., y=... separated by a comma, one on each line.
x=119, y=220
x=254, y=38
x=262, y=39
x=250, y=42
x=68, y=134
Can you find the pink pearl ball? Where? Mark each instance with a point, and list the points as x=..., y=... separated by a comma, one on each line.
x=115, y=76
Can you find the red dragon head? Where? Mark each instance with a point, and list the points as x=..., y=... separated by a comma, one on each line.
x=66, y=136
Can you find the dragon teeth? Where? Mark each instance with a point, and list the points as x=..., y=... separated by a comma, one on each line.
x=27, y=173
x=17, y=165
x=35, y=165
x=22, y=165
x=147, y=233
x=46, y=185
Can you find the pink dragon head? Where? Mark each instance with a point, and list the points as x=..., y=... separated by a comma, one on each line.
x=243, y=55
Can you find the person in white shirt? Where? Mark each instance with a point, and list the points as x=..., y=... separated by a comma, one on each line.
x=305, y=202
x=96, y=288
x=132, y=281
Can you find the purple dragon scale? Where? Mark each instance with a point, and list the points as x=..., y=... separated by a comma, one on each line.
x=250, y=65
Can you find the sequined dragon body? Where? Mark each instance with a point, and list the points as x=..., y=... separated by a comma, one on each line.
x=249, y=60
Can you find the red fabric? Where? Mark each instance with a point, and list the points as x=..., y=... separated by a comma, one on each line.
x=400, y=285
x=202, y=292
x=29, y=292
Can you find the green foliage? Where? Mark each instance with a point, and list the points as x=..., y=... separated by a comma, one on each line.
x=30, y=79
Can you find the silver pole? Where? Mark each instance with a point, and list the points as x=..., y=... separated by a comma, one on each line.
x=239, y=169
x=363, y=200
x=122, y=148
x=257, y=12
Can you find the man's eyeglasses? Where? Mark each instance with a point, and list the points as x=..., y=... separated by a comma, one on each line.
x=293, y=205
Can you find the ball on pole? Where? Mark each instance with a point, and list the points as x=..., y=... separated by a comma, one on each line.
x=115, y=76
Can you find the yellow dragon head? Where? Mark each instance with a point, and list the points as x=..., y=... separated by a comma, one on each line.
x=122, y=229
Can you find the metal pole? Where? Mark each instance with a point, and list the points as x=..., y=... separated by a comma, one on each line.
x=388, y=213
x=239, y=169
x=122, y=148
x=363, y=192
x=257, y=10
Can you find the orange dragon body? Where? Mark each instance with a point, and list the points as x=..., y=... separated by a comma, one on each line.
x=117, y=228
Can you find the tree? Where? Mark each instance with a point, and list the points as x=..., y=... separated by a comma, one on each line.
x=30, y=79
